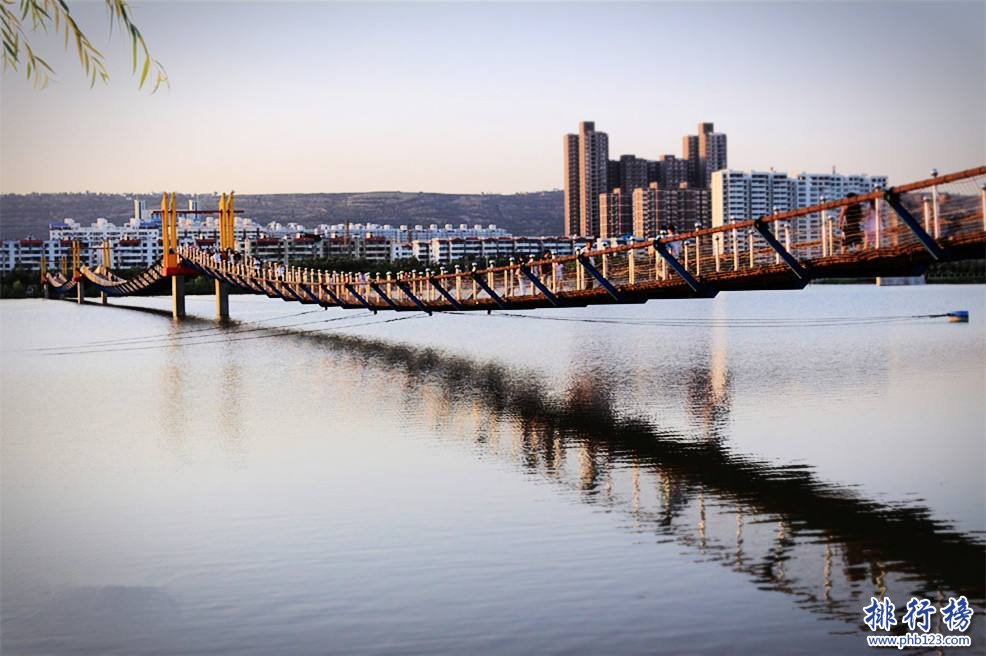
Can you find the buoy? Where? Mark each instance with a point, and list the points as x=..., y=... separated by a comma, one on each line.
x=958, y=316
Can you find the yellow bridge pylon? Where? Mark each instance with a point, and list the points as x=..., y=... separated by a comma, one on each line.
x=169, y=238
x=227, y=226
x=169, y=231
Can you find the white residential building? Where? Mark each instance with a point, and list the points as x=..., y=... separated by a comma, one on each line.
x=744, y=195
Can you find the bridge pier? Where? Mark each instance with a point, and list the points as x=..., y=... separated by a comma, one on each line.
x=177, y=297
x=80, y=292
x=103, y=299
x=222, y=300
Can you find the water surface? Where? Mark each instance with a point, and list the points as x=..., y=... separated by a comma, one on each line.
x=334, y=482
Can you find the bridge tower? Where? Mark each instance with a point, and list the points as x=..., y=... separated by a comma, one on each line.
x=169, y=258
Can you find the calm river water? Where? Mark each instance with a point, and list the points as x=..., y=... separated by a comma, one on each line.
x=728, y=476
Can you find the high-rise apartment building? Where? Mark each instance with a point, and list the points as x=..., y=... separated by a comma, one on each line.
x=615, y=214
x=742, y=195
x=712, y=154
x=813, y=187
x=589, y=174
x=612, y=174
x=571, y=193
x=689, y=152
x=593, y=176
x=705, y=152
x=671, y=172
x=633, y=174
x=654, y=209
x=644, y=212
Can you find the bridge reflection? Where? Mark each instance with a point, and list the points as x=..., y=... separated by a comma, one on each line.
x=782, y=526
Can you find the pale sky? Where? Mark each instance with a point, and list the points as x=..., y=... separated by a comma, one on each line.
x=467, y=97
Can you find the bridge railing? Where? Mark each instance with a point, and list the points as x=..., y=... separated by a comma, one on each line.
x=948, y=210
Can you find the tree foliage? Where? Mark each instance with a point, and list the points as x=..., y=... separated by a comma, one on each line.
x=21, y=17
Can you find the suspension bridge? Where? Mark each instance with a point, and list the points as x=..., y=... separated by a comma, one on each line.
x=893, y=232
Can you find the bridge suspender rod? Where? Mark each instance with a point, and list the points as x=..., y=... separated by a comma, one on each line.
x=697, y=287
x=295, y=295
x=393, y=306
x=929, y=244
x=242, y=282
x=404, y=287
x=607, y=285
x=362, y=301
x=444, y=292
x=789, y=260
x=327, y=288
x=500, y=303
x=308, y=292
x=269, y=289
x=236, y=282
x=223, y=278
x=540, y=285
x=258, y=285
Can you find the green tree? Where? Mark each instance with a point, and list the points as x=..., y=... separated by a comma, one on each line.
x=18, y=18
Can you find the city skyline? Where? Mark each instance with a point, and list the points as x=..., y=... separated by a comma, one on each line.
x=398, y=97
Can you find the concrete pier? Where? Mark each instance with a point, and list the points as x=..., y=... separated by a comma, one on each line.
x=177, y=297
x=80, y=292
x=222, y=300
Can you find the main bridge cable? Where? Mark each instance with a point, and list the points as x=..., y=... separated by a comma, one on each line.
x=241, y=328
x=279, y=333
x=165, y=341
x=730, y=323
x=179, y=335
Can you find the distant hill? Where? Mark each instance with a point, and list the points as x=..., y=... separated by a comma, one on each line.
x=536, y=213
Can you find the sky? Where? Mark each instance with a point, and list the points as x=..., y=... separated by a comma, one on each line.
x=270, y=97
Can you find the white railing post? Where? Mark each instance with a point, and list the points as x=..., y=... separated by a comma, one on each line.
x=698, y=256
x=735, y=248
x=878, y=225
x=821, y=232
